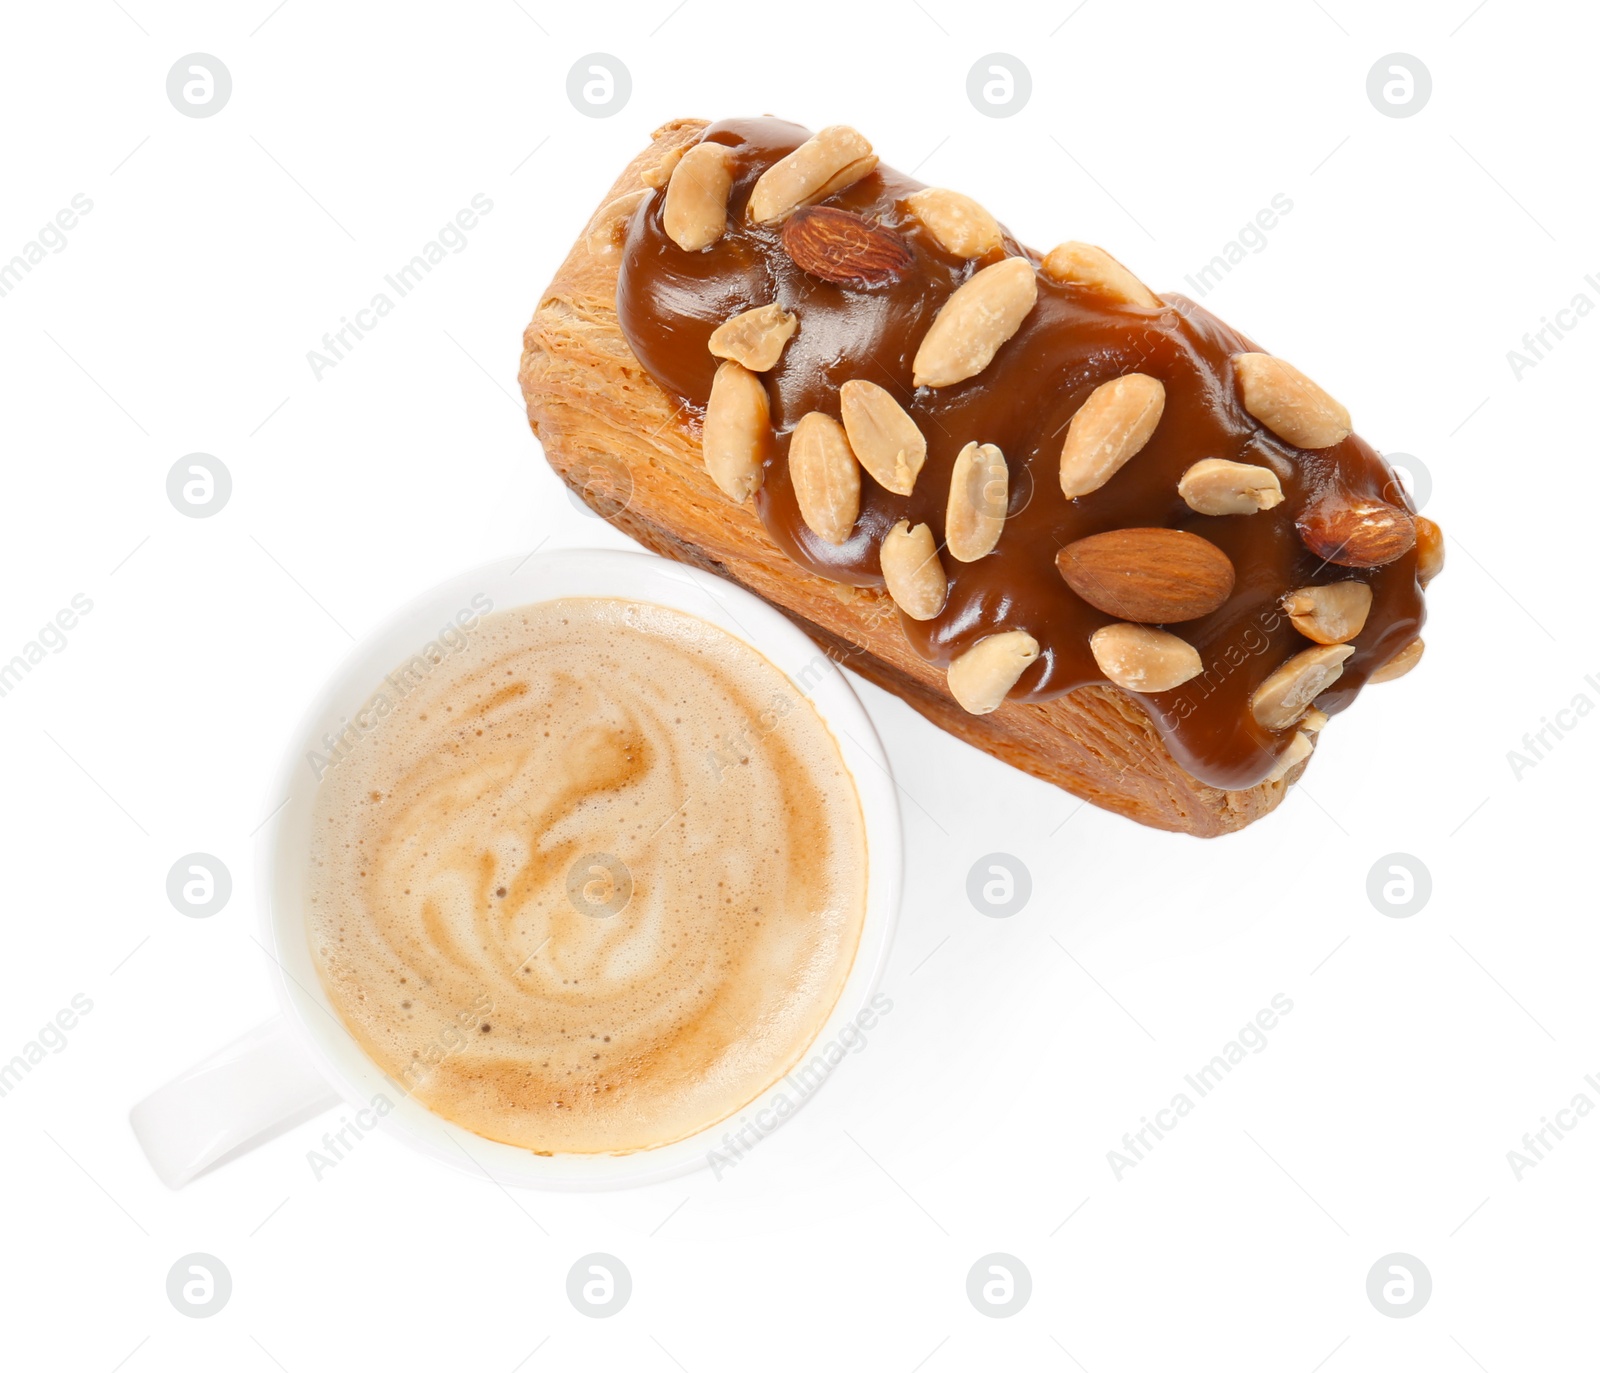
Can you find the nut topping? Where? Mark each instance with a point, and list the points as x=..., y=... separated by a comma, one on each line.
x=957, y=222
x=1300, y=748
x=609, y=227
x=1288, y=402
x=980, y=678
x=1402, y=663
x=1110, y=427
x=755, y=338
x=825, y=163
x=1215, y=486
x=827, y=481
x=1152, y=576
x=1329, y=614
x=1313, y=720
x=837, y=246
x=883, y=437
x=1430, y=549
x=657, y=176
x=1281, y=699
x=1085, y=265
x=912, y=571
x=1356, y=531
x=983, y=313
x=976, y=510
x=737, y=431
x=1142, y=659
x=696, y=211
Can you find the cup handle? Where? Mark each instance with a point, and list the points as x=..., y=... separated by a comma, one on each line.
x=261, y=1085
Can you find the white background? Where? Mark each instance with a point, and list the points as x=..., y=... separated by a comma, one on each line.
x=1419, y=1050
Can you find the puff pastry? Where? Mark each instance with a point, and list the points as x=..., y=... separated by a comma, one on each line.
x=1088, y=529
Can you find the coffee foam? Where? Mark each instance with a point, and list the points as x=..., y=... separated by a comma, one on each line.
x=470, y=855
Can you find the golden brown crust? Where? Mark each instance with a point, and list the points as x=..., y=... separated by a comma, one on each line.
x=594, y=407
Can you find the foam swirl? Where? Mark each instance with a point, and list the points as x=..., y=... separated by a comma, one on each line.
x=594, y=884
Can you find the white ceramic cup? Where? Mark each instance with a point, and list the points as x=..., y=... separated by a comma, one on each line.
x=305, y=1062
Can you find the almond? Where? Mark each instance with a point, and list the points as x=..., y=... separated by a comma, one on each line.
x=1142, y=659
x=975, y=512
x=980, y=678
x=695, y=214
x=1330, y=614
x=837, y=246
x=827, y=481
x=755, y=338
x=1313, y=720
x=1150, y=576
x=957, y=222
x=985, y=311
x=1215, y=486
x=1281, y=700
x=737, y=431
x=1110, y=428
x=1402, y=663
x=1083, y=264
x=912, y=571
x=884, y=438
x=1356, y=531
x=824, y=164
x=1430, y=549
x=1288, y=402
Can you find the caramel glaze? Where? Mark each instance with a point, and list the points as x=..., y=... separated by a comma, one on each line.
x=669, y=301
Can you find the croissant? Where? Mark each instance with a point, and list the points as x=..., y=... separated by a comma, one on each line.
x=1091, y=530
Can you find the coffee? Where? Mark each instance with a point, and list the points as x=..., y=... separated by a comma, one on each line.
x=594, y=883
